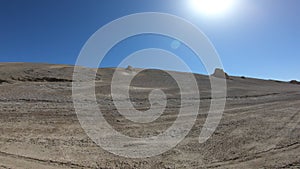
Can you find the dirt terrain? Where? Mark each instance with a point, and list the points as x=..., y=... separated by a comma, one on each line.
x=40, y=129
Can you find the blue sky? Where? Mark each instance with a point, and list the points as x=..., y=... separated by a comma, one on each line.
x=257, y=38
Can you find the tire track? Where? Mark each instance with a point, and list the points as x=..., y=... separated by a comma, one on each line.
x=44, y=162
x=259, y=155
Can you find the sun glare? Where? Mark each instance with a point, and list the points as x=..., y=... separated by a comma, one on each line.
x=212, y=7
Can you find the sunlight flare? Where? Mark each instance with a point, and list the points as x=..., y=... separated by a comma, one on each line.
x=212, y=7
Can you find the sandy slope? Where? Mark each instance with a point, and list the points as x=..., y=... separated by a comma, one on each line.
x=39, y=128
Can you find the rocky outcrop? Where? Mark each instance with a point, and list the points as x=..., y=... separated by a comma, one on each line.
x=129, y=68
x=295, y=82
x=219, y=73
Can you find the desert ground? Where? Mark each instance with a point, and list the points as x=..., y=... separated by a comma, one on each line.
x=40, y=129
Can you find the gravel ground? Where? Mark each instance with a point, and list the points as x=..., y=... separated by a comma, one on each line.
x=40, y=129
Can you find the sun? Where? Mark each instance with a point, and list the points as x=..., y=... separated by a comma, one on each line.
x=212, y=7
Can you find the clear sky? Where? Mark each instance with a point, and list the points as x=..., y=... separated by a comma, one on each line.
x=255, y=38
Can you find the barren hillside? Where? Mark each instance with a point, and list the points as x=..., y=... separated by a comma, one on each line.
x=40, y=129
